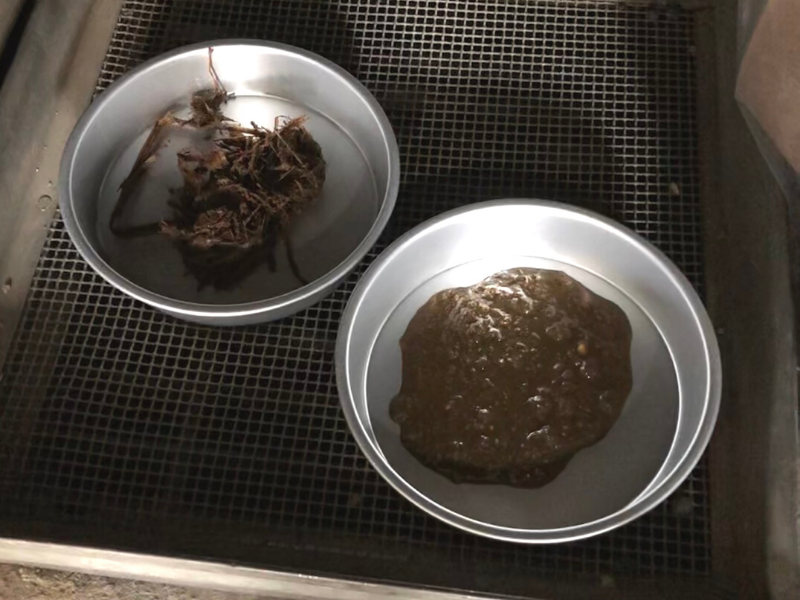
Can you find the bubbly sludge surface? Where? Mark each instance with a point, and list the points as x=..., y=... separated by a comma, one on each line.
x=504, y=381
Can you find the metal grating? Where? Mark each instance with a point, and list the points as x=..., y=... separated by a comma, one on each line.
x=124, y=427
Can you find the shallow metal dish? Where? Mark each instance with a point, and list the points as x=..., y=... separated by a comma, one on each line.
x=269, y=80
x=667, y=420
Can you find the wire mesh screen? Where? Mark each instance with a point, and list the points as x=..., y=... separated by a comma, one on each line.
x=125, y=427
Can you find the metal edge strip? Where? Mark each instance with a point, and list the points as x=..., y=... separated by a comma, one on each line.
x=55, y=95
x=207, y=575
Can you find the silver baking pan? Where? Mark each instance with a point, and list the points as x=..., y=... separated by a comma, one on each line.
x=267, y=80
x=667, y=420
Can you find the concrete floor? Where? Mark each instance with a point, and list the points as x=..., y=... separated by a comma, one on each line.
x=23, y=583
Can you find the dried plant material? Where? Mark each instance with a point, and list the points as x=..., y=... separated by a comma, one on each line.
x=145, y=157
x=239, y=197
x=206, y=105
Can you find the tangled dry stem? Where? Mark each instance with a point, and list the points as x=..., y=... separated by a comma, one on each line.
x=238, y=197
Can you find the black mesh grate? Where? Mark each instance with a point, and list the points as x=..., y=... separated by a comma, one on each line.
x=123, y=426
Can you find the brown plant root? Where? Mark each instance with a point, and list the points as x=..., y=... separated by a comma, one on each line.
x=145, y=157
x=238, y=198
x=206, y=105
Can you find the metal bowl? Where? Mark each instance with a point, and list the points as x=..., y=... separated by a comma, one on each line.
x=269, y=80
x=667, y=420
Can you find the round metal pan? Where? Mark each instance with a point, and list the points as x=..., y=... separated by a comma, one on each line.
x=268, y=80
x=667, y=420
